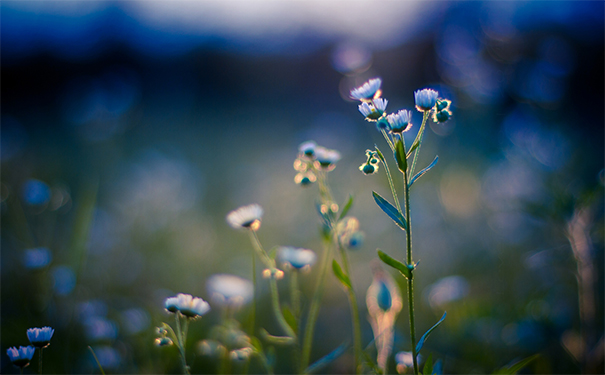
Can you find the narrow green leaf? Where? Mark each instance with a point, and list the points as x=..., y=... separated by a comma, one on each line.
x=419, y=174
x=515, y=367
x=390, y=210
x=427, y=333
x=256, y=344
x=276, y=340
x=400, y=156
x=369, y=362
x=171, y=334
x=405, y=271
x=327, y=359
x=273, y=252
x=428, y=366
x=346, y=208
x=344, y=279
x=412, y=148
x=96, y=359
x=290, y=318
x=380, y=156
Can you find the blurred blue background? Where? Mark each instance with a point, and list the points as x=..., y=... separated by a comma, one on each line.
x=130, y=129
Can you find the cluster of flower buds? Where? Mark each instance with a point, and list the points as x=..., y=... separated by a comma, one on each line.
x=311, y=160
x=163, y=340
x=373, y=107
x=371, y=165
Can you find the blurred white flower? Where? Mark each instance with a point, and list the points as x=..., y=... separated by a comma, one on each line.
x=246, y=217
x=296, y=257
x=229, y=290
x=188, y=305
x=367, y=90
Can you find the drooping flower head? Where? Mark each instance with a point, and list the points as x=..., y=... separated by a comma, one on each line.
x=405, y=360
x=22, y=356
x=368, y=90
x=305, y=178
x=373, y=111
x=371, y=165
x=325, y=158
x=442, y=111
x=297, y=258
x=307, y=148
x=40, y=337
x=229, y=290
x=246, y=217
x=400, y=122
x=186, y=304
x=348, y=233
x=425, y=99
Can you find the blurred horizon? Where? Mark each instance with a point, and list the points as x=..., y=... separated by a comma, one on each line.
x=130, y=129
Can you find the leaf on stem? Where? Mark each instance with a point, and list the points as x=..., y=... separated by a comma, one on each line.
x=400, y=156
x=515, y=367
x=171, y=333
x=276, y=340
x=405, y=271
x=427, y=333
x=344, y=279
x=346, y=207
x=327, y=359
x=419, y=174
x=290, y=318
x=390, y=210
x=428, y=366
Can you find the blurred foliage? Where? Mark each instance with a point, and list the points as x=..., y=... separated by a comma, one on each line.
x=123, y=164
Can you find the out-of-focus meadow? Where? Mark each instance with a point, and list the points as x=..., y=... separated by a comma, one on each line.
x=130, y=129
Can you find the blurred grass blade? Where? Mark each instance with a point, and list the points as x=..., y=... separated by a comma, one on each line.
x=390, y=210
x=327, y=359
x=276, y=340
x=346, y=208
x=82, y=224
x=405, y=271
x=344, y=279
x=427, y=333
x=369, y=362
x=515, y=367
x=419, y=174
x=96, y=359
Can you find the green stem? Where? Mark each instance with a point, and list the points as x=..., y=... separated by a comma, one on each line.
x=254, y=295
x=181, y=342
x=314, y=308
x=270, y=263
x=388, y=139
x=277, y=310
x=40, y=361
x=418, y=139
x=295, y=293
x=408, y=236
x=391, y=184
x=354, y=313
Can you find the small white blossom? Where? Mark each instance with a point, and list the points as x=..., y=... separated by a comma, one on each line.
x=367, y=90
x=188, y=305
x=374, y=110
x=307, y=148
x=229, y=290
x=326, y=158
x=22, y=356
x=425, y=99
x=40, y=337
x=297, y=258
x=246, y=217
x=401, y=121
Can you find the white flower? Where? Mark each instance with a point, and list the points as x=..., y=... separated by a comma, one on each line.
x=246, y=217
x=229, y=290
x=367, y=90
x=326, y=158
x=297, y=258
x=40, y=337
x=400, y=122
x=373, y=111
x=188, y=305
x=425, y=99
x=21, y=357
x=307, y=148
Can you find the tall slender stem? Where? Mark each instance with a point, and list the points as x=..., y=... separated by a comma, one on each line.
x=254, y=296
x=314, y=308
x=354, y=313
x=418, y=139
x=40, y=361
x=408, y=236
x=295, y=293
x=181, y=343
